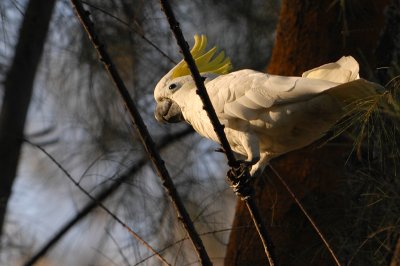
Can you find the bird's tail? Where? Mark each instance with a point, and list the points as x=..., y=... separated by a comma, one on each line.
x=344, y=70
x=357, y=90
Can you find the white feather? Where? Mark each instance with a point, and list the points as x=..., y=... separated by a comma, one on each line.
x=267, y=115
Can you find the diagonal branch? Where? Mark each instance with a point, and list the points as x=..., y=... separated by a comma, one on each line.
x=219, y=130
x=309, y=218
x=183, y=215
x=95, y=203
x=147, y=40
x=102, y=196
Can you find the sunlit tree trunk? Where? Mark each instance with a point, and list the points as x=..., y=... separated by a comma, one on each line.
x=18, y=87
x=309, y=34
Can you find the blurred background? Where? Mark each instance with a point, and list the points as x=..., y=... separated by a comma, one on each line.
x=77, y=117
x=64, y=134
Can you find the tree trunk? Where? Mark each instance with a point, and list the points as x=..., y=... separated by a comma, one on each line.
x=18, y=87
x=310, y=33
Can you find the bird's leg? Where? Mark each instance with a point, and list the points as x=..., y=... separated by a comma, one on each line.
x=239, y=176
x=250, y=144
x=259, y=167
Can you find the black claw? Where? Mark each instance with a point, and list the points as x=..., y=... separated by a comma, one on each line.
x=220, y=150
x=241, y=180
x=249, y=163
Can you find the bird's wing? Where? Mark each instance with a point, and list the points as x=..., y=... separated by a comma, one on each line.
x=246, y=93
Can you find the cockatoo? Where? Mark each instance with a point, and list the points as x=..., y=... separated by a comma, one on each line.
x=264, y=115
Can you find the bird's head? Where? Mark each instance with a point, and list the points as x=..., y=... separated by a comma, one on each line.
x=169, y=92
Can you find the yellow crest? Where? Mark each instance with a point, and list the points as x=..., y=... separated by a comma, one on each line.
x=204, y=60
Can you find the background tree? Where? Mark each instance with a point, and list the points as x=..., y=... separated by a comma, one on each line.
x=332, y=186
x=18, y=86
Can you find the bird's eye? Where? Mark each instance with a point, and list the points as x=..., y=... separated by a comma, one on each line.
x=172, y=86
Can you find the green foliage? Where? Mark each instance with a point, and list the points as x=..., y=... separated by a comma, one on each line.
x=372, y=184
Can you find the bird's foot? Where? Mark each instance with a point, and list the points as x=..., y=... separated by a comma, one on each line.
x=221, y=150
x=252, y=161
x=240, y=179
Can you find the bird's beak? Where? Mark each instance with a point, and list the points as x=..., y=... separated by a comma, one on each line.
x=168, y=111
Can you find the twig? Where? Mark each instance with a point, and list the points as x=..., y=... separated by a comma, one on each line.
x=144, y=135
x=201, y=89
x=38, y=255
x=219, y=129
x=132, y=29
x=368, y=238
x=313, y=224
x=164, y=142
x=125, y=259
x=396, y=254
x=186, y=238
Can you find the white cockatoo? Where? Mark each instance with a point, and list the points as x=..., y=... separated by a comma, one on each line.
x=264, y=115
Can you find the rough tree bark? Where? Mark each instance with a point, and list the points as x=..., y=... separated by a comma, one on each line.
x=309, y=34
x=18, y=86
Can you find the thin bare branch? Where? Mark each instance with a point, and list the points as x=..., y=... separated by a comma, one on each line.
x=396, y=254
x=126, y=261
x=183, y=215
x=152, y=44
x=165, y=142
x=186, y=238
x=313, y=224
x=43, y=250
x=219, y=129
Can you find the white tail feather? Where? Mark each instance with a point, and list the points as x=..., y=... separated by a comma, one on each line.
x=344, y=70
